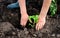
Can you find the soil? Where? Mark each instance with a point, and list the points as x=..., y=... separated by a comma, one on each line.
x=10, y=27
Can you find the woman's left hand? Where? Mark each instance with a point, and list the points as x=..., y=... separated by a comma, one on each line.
x=40, y=24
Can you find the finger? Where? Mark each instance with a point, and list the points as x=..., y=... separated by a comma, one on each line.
x=41, y=27
x=25, y=22
x=37, y=27
x=22, y=23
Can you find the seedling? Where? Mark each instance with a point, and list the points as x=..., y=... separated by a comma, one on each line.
x=33, y=19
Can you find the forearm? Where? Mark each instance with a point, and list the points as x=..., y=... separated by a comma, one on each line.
x=22, y=5
x=45, y=8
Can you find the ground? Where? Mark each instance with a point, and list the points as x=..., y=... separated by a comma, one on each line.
x=10, y=28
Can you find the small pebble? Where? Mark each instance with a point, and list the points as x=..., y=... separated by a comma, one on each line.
x=12, y=14
x=53, y=35
x=14, y=33
x=26, y=32
x=25, y=29
x=34, y=35
x=58, y=35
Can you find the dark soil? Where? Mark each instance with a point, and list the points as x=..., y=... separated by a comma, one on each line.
x=10, y=27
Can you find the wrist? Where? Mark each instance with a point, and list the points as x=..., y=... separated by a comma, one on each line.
x=43, y=17
x=24, y=13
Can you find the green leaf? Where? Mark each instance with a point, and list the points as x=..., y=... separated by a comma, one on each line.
x=35, y=18
x=53, y=7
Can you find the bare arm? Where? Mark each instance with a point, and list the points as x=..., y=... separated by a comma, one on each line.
x=24, y=15
x=22, y=5
x=45, y=8
x=41, y=21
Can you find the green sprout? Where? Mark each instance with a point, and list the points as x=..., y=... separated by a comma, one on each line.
x=53, y=7
x=35, y=20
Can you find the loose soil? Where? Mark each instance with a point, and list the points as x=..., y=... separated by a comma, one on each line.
x=10, y=27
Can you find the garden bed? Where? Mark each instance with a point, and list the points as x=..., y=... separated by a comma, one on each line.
x=10, y=27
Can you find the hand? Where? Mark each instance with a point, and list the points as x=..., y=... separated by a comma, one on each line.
x=40, y=24
x=24, y=19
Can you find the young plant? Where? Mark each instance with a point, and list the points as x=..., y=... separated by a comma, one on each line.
x=53, y=7
x=33, y=20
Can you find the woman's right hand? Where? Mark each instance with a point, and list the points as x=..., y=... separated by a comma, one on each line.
x=24, y=19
